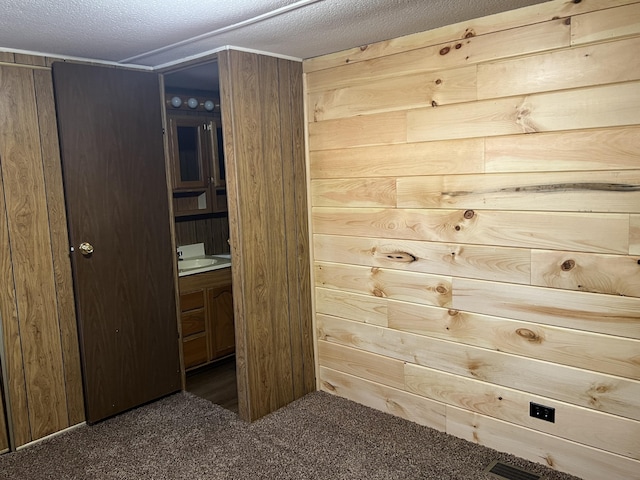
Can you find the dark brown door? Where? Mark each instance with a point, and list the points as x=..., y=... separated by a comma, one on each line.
x=110, y=130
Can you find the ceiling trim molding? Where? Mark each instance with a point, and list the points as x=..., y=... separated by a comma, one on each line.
x=54, y=57
x=262, y=52
x=134, y=66
x=192, y=59
x=228, y=28
x=203, y=56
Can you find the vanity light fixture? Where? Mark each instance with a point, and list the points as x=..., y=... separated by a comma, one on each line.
x=192, y=103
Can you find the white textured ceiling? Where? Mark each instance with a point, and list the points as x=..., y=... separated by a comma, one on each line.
x=155, y=33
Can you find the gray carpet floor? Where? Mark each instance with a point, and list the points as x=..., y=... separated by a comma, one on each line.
x=319, y=436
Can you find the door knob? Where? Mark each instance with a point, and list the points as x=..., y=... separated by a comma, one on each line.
x=86, y=249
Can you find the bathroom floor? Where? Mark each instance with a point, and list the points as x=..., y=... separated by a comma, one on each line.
x=216, y=383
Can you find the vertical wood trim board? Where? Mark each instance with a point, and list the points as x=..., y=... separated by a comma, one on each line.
x=60, y=245
x=7, y=316
x=227, y=96
x=486, y=238
x=266, y=161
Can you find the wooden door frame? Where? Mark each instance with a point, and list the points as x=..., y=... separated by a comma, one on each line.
x=168, y=166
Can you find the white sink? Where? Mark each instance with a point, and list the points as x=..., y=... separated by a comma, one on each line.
x=196, y=263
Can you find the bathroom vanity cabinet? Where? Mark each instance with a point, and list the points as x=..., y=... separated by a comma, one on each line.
x=206, y=314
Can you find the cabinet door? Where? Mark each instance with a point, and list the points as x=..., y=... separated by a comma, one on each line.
x=190, y=144
x=217, y=154
x=221, y=313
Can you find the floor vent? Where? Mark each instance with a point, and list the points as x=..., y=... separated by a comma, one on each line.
x=503, y=471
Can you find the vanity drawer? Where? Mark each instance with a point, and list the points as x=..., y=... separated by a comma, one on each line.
x=191, y=301
x=192, y=323
x=194, y=351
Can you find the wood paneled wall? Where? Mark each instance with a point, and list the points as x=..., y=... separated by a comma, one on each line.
x=212, y=230
x=36, y=298
x=263, y=121
x=476, y=230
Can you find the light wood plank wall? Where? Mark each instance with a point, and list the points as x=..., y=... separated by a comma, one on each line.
x=475, y=203
x=36, y=299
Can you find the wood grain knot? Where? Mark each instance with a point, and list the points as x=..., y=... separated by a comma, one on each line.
x=438, y=81
x=364, y=47
x=445, y=50
x=328, y=386
x=375, y=270
x=434, y=103
x=523, y=113
x=594, y=402
x=403, y=257
x=458, y=46
x=317, y=113
x=469, y=34
x=453, y=313
x=441, y=289
x=457, y=228
x=568, y=20
x=567, y=265
x=392, y=405
x=378, y=292
x=601, y=388
x=474, y=366
x=529, y=335
x=469, y=214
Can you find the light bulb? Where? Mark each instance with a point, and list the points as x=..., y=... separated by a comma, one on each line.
x=209, y=105
x=192, y=102
x=176, y=102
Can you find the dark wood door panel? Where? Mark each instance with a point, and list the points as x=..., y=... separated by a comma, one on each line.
x=110, y=132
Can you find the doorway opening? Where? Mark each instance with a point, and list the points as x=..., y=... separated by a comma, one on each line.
x=196, y=146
